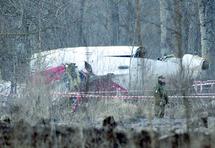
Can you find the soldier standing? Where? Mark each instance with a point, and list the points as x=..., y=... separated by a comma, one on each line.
x=73, y=78
x=161, y=98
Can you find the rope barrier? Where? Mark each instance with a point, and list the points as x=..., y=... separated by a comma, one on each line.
x=97, y=95
x=74, y=94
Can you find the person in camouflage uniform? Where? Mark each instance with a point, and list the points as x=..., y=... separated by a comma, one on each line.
x=161, y=98
x=73, y=77
x=73, y=84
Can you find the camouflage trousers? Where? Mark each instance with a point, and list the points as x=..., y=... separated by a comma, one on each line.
x=159, y=111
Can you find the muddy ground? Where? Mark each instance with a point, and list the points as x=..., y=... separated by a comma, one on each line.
x=32, y=124
x=109, y=133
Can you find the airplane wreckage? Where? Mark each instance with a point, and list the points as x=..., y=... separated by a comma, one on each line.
x=116, y=68
x=112, y=70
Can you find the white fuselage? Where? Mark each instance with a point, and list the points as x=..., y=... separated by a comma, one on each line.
x=129, y=71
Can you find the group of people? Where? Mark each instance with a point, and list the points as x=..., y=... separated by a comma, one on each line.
x=77, y=81
x=74, y=78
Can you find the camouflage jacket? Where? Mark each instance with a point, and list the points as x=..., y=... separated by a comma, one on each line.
x=73, y=79
x=160, y=95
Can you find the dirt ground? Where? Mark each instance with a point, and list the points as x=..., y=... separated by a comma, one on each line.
x=110, y=134
x=36, y=123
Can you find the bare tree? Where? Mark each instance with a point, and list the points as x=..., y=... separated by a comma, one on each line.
x=178, y=29
x=194, y=28
x=115, y=21
x=164, y=18
x=183, y=76
x=185, y=25
x=206, y=30
x=130, y=20
x=82, y=40
x=138, y=41
x=203, y=27
x=138, y=32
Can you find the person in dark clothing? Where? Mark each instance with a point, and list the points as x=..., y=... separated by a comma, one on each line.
x=73, y=78
x=161, y=98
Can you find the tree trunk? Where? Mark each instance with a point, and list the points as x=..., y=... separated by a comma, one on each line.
x=179, y=6
x=194, y=29
x=178, y=29
x=115, y=21
x=203, y=28
x=138, y=32
x=185, y=26
x=139, y=73
x=82, y=40
x=164, y=17
x=206, y=14
x=130, y=20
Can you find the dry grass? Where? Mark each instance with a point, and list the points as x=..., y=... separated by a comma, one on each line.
x=36, y=104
